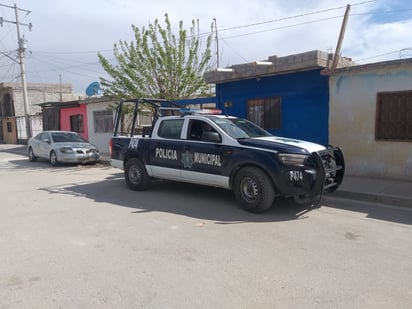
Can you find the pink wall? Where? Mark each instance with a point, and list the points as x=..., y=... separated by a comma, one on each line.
x=65, y=114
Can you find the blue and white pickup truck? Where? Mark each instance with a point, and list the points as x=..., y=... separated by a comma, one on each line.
x=207, y=148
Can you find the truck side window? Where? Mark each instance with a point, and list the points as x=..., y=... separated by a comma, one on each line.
x=171, y=128
x=198, y=130
x=195, y=130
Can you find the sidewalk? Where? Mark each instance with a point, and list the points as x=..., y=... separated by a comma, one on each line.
x=383, y=191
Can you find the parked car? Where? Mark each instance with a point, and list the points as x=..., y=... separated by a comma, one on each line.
x=62, y=147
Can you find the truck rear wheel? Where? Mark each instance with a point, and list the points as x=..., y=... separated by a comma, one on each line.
x=136, y=176
x=254, y=190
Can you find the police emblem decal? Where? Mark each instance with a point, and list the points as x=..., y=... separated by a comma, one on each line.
x=187, y=159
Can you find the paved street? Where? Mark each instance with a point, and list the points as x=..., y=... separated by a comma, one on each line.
x=77, y=237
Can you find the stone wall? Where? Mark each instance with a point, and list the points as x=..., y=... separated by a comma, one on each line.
x=36, y=93
x=275, y=65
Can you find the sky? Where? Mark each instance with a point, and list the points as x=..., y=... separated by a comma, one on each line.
x=66, y=36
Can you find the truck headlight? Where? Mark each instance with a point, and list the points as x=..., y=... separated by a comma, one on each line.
x=292, y=159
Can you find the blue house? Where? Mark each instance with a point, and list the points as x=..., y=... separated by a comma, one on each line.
x=288, y=96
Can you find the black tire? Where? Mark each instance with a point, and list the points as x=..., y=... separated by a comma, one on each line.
x=254, y=189
x=32, y=157
x=53, y=158
x=136, y=176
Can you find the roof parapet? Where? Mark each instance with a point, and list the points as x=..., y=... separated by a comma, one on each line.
x=275, y=65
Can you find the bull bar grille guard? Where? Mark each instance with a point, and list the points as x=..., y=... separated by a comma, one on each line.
x=331, y=169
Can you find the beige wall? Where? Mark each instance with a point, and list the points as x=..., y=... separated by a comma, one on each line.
x=352, y=115
x=9, y=137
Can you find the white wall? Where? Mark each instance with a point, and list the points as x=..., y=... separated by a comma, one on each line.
x=101, y=140
x=36, y=126
x=353, y=96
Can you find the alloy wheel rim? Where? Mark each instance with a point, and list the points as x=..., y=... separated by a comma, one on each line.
x=53, y=158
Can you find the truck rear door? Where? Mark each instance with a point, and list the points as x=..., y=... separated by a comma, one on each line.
x=166, y=148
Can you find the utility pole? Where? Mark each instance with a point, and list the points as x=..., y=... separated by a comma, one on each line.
x=341, y=35
x=61, y=94
x=336, y=55
x=217, y=44
x=21, y=50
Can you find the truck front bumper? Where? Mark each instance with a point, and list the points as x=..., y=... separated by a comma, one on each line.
x=324, y=174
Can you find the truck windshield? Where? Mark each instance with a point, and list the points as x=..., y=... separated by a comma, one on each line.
x=240, y=128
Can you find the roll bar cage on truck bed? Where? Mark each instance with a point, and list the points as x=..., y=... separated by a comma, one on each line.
x=256, y=165
x=157, y=107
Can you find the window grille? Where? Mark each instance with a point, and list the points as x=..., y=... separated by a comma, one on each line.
x=266, y=112
x=394, y=116
x=103, y=121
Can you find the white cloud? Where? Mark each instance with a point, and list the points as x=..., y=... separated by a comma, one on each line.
x=78, y=26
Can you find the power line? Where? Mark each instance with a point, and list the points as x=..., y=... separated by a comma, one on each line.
x=284, y=27
x=293, y=17
x=309, y=22
x=66, y=65
x=63, y=63
x=76, y=52
x=234, y=50
x=383, y=54
x=382, y=12
x=11, y=66
x=259, y=23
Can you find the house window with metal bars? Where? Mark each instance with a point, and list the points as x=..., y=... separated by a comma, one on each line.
x=394, y=116
x=103, y=121
x=265, y=112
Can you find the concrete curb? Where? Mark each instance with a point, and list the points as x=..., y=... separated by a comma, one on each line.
x=391, y=200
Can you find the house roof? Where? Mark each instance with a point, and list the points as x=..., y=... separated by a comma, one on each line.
x=274, y=65
x=58, y=104
x=376, y=66
x=75, y=102
x=98, y=99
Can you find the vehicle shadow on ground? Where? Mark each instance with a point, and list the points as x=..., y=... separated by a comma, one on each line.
x=189, y=200
x=199, y=201
x=45, y=164
x=209, y=203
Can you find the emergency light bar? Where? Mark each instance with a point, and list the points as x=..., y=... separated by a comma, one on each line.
x=191, y=111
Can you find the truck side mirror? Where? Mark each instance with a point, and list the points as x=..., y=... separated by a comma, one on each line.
x=212, y=137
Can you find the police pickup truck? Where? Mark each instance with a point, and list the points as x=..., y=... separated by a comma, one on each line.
x=207, y=148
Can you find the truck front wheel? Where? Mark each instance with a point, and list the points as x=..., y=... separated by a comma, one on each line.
x=136, y=176
x=254, y=190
